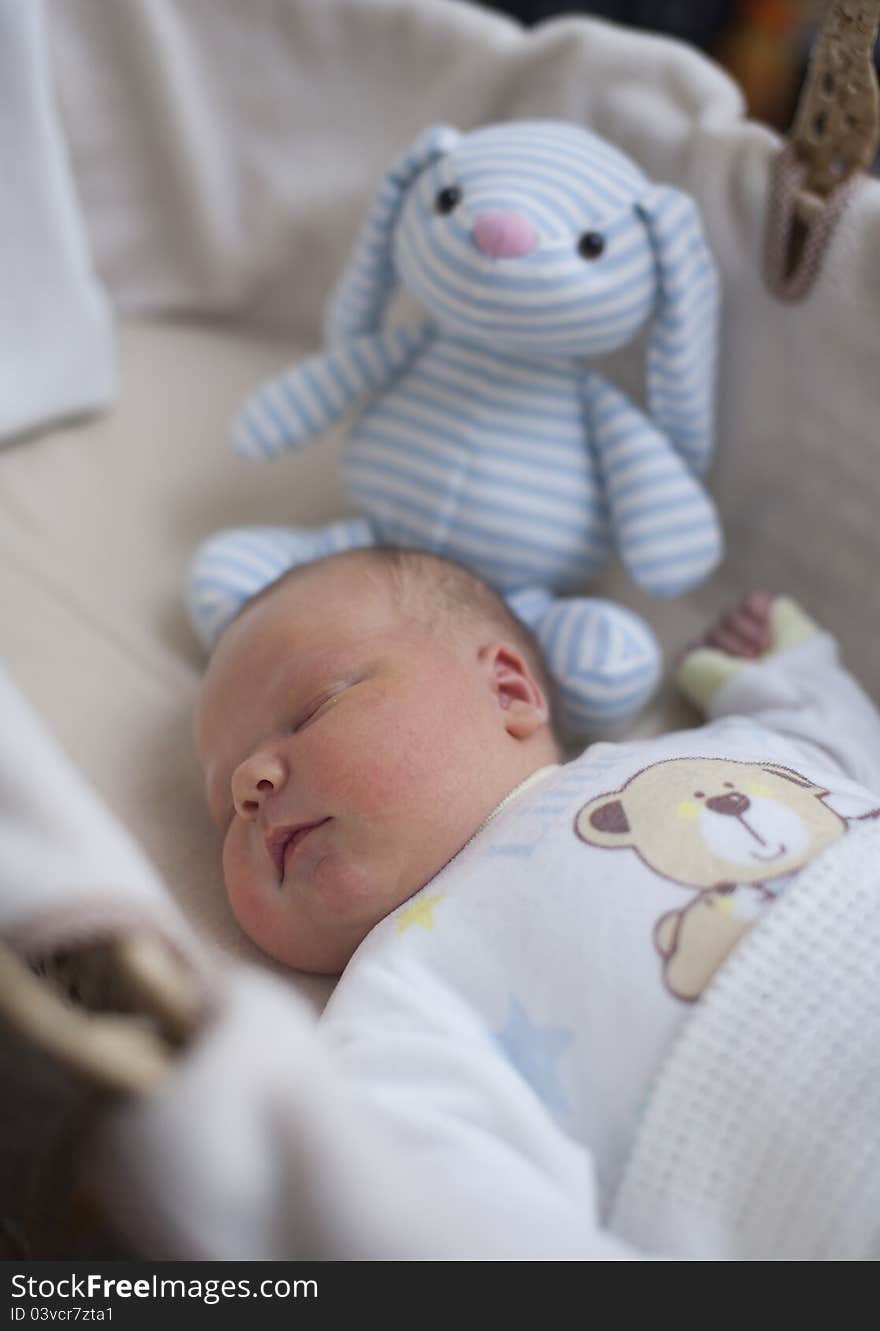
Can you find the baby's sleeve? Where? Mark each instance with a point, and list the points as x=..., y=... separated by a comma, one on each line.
x=805, y=694
x=464, y=1129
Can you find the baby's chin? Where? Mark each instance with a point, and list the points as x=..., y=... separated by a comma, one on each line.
x=316, y=941
x=327, y=905
x=299, y=948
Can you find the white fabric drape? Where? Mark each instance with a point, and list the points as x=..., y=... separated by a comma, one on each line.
x=56, y=349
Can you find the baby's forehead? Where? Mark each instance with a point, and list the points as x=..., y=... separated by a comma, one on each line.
x=333, y=606
x=336, y=601
x=406, y=581
x=285, y=643
x=323, y=597
x=352, y=572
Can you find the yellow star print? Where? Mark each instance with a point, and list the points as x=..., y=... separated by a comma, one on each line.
x=420, y=912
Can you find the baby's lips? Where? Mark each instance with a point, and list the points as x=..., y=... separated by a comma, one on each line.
x=278, y=841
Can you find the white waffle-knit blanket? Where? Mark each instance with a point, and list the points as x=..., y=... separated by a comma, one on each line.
x=762, y=1137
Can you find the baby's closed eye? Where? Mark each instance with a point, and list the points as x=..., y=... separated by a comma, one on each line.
x=322, y=702
x=314, y=708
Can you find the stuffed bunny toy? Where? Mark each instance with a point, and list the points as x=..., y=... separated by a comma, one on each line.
x=485, y=435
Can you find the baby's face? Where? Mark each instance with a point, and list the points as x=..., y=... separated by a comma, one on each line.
x=349, y=753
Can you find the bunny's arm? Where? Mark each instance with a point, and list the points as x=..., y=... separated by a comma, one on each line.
x=664, y=523
x=297, y=405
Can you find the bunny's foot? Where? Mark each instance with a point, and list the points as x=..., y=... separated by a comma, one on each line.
x=604, y=658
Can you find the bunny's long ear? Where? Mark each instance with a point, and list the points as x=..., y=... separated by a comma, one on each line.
x=684, y=336
x=356, y=305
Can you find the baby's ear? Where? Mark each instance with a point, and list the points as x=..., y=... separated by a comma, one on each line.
x=603, y=822
x=518, y=694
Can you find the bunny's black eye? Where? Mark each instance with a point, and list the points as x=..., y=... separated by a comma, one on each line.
x=448, y=199
x=591, y=245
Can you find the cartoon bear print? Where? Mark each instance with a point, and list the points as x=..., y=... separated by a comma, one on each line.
x=694, y=941
x=725, y=828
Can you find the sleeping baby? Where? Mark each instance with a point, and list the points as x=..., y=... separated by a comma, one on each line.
x=521, y=939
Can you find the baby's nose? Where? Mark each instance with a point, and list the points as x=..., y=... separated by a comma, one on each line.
x=504, y=235
x=255, y=780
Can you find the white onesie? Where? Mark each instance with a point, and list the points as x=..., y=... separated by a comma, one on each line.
x=504, y=1026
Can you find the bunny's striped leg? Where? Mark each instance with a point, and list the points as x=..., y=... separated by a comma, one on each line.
x=604, y=658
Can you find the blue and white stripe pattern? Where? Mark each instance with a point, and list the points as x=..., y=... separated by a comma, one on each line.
x=604, y=658
x=369, y=277
x=682, y=350
x=295, y=407
x=484, y=435
x=481, y=456
x=665, y=526
x=548, y=301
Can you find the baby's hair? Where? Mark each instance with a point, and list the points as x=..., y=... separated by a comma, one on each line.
x=441, y=593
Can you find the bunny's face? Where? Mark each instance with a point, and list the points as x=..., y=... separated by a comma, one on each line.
x=527, y=237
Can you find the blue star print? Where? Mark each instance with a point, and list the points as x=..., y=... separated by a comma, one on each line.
x=534, y=1051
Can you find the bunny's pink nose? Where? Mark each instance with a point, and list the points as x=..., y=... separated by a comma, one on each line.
x=504, y=235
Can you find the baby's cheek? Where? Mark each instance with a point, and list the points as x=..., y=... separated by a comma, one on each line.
x=251, y=903
x=365, y=767
x=389, y=771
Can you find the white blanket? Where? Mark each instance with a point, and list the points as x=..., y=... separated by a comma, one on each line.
x=761, y=1140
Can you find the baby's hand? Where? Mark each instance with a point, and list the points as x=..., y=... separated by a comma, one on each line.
x=754, y=629
x=744, y=630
